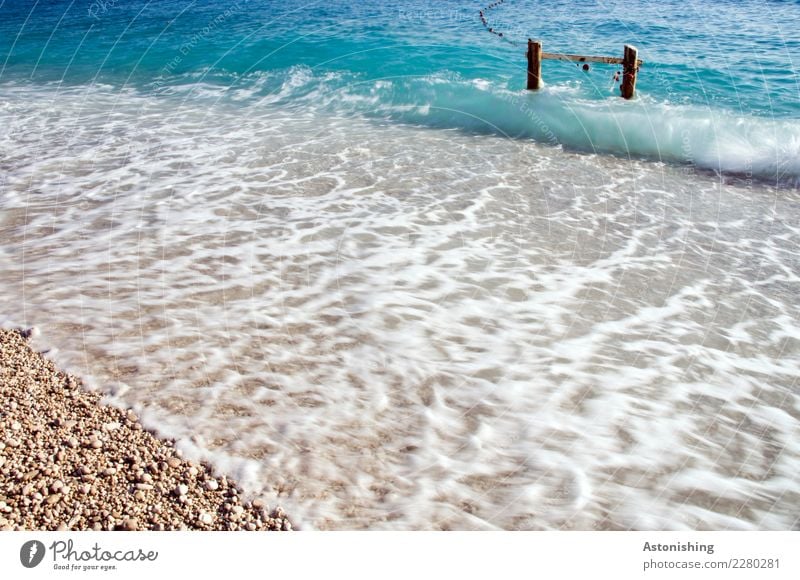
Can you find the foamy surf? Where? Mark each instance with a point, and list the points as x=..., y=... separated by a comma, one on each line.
x=565, y=114
x=392, y=327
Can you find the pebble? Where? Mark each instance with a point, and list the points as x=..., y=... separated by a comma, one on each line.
x=31, y=332
x=31, y=474
x=52, y=444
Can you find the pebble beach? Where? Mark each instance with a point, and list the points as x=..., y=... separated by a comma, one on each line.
x=69, y=462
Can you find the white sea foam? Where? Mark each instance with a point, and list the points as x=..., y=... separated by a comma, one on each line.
x=393, y=327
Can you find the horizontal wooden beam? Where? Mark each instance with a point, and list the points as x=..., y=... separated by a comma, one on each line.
x=579, y=58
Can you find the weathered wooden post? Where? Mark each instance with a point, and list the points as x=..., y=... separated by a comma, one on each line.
x=534, y=64
x=629, y=70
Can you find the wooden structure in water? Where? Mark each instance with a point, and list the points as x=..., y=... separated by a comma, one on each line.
x=629, y=61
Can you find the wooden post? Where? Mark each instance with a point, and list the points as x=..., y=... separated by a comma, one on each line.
x=629, y=70
x=534, y=64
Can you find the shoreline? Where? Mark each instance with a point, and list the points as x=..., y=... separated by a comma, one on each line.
x=70, y=462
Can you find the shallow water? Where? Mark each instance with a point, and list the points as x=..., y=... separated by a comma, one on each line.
x=381, y=321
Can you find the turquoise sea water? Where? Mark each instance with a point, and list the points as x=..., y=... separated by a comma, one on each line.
x=338, y=250
x=719, y=88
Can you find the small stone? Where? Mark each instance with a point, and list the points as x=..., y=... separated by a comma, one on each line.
x=53, y=499
x=16, y=426
x=112, y=426
x=173, y=462
x=258, y=503
x=11, y=442
x=206, y=519
x=130, y=524
x=109, y=471
x=193, y=471
x=31, y=332
x=139, y=495
x=84, y=488
x=250, y=527
x=96, y=444
x=237, y=510
x=56, y=486
x=211, y=485
x=144, y=486
x=31, y=474
x=182, y=489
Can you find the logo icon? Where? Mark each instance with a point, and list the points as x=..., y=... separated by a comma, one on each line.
x=31, y=553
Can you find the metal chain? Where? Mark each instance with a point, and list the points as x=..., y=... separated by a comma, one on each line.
x=491, y=29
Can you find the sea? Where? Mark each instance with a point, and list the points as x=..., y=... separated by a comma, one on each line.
x=338, y=251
